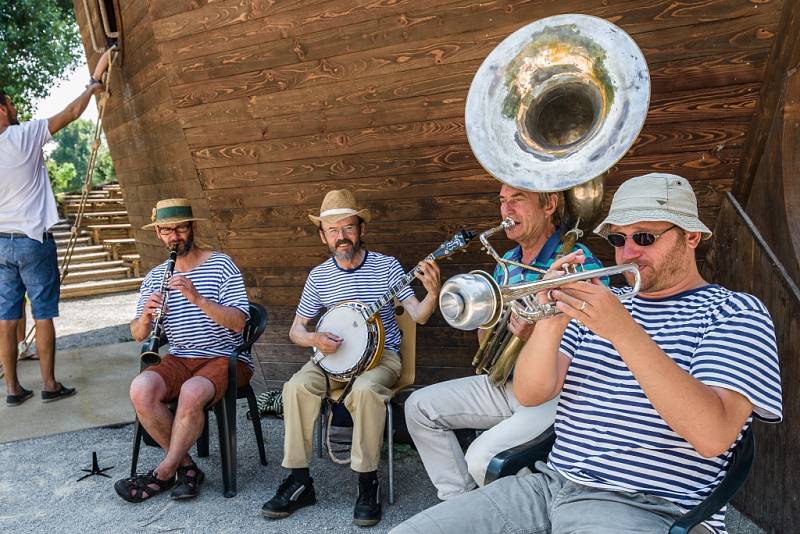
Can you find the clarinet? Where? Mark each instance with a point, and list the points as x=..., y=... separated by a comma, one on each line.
x=150, y=354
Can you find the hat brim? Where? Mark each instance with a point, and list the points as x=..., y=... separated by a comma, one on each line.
x=689, y=223
x=363, y=214
x=172, y=220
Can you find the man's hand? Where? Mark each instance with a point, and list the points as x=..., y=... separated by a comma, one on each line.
x=593, y=304
x=430, y=275
x=557, y=270
x=186, y=287
x=327, y=343
x=152, y=306
x=520, y=327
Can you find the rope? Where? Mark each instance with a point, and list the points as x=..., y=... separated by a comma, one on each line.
x=87, y=186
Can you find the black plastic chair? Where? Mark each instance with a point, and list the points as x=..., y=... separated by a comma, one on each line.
x=224, y=410
x=510, y=461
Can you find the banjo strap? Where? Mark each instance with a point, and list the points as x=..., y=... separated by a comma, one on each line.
x=331, y=403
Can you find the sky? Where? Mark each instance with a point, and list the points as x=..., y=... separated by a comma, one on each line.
x=65, y=91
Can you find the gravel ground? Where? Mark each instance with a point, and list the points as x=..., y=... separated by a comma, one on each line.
x=50, y=467
x=47, y=469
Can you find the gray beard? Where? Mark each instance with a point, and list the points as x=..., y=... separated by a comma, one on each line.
x=346, y=256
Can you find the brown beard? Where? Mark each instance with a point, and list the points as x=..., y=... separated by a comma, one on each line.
x=187, y=245
x=672, y=269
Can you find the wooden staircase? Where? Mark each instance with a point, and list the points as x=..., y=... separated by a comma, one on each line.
x=104, y=259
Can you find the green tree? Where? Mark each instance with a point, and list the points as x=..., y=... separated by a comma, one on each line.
x=61, y=176
x=39, y=41
x=104, y=172
x=74, y=145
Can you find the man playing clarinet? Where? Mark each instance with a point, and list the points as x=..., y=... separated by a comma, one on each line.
x=204, y=309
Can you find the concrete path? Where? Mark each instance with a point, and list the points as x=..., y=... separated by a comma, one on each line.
x=102, y=376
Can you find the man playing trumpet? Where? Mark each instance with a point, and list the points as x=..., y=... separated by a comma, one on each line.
x=434, y=412
x=206, y=314
x=655, y=392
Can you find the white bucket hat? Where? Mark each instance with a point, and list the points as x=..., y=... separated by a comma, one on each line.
x=654, y=197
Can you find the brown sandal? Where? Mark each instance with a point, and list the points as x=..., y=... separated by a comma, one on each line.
x=138, y=488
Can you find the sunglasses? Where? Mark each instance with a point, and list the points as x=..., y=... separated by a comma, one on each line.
x=643, y=239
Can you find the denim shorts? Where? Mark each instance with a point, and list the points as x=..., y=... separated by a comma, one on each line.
x=28, y=266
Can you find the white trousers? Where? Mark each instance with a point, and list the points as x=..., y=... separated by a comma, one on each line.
x=433, y=412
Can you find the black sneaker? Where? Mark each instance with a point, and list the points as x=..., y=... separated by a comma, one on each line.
x=368, y=506
x=290, y=496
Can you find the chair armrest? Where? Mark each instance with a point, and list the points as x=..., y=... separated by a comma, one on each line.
x=510, y=461
x=738, y=470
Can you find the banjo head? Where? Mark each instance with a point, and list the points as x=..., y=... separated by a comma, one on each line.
x=347, y=322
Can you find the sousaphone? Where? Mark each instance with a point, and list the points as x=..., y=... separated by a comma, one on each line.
x=552, y=108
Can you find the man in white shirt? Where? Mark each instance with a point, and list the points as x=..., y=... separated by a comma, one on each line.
x=28, y=261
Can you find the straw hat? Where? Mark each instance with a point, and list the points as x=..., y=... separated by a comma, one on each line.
x=654, y=197
x=172, y=211
x=338, y=204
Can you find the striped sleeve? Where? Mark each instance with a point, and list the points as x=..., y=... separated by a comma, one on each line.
x=738, y=352
x=145, y=290
x=571, y=339
x=232, y=292
x=310, y=303
x=395, y=274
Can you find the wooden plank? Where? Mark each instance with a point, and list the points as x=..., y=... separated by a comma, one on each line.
x=408, y=47
x=286, y=25
x=160, y=10
x=713, y=104
x=261, y=103
x=390, y=163
x=396, y=136
x=785, y=58
x=383, y=232
x=418, y=109
x=217, y=14
x=355, y=22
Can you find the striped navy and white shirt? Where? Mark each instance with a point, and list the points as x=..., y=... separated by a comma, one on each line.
x=192, y=333
x=610, y=436
x=329, y=284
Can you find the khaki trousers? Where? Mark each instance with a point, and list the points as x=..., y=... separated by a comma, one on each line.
x=366, y=402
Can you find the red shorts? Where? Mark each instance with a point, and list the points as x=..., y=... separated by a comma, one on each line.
x=175, y=371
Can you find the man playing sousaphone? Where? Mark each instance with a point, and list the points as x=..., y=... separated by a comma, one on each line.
x=475, y=402
x=352, y=273
x=205, y=313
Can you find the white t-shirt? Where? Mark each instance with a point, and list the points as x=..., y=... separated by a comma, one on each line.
x=27, y=203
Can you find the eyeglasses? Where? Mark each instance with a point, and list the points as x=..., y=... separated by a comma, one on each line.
x=179, y=229
x=349, y=229
x=643, y=239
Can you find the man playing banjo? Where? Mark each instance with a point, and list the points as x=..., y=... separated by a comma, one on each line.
x=352, y=273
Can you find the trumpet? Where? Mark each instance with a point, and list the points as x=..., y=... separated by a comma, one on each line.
x=476, y=300
x=150, y=355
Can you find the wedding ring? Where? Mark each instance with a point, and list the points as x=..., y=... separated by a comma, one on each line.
x=583, y=305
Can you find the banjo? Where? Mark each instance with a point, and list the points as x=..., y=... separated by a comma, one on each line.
x=360, y=326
